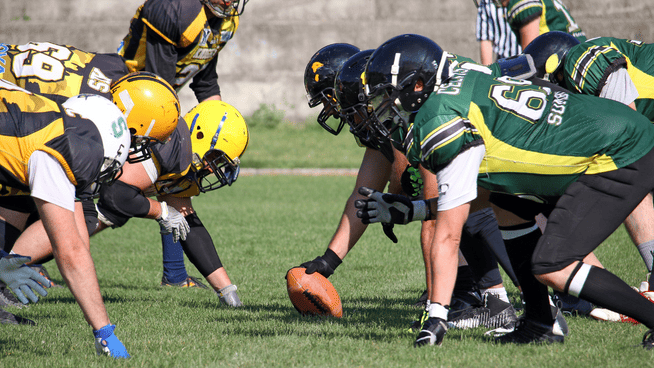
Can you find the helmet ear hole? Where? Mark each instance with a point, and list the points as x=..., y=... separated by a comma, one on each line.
x=199, y=135
x=132, y=131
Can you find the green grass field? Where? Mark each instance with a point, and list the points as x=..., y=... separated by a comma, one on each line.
x=262, y=226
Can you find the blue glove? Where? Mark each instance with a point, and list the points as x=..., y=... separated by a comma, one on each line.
x=21, y=278
x=106, y=343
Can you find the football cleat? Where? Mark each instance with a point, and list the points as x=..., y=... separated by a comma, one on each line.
x=7, y=298
x=494, y=314
x=528, y=331
x=560, y=325
x=432, y=332
x=648, y=340
x=417, y=325
x=190, y=282
x=8, y=318
x=572, y=305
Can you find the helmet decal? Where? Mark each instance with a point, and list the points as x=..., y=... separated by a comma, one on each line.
x=214, y=140
x=395, y=69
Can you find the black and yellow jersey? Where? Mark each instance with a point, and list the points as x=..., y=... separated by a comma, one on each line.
x=173, y=162
x=29, y=122
x=178, y=40
x=60, y=71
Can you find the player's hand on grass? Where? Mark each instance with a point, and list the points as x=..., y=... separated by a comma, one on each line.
x=389, y=208
x=173, y=222
x=20, y=278
x=106, y=343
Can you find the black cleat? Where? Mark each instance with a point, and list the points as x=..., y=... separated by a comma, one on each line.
x=7, y=298
x=571, y=305
x=648, y=340
x=8, y=318
x=432, y=333
x=190, y=282
x=528, y=331
x=494, y=314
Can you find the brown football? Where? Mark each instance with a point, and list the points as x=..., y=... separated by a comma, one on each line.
x=312, y=294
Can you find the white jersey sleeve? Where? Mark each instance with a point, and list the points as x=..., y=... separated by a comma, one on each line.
x=619, y=87
x=457, y=182
x=48, y=181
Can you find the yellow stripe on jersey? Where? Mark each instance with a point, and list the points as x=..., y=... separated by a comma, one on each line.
x=145, y=21
x=194, y=29
x=644, y=82
x=501, y=157
x=596, y=50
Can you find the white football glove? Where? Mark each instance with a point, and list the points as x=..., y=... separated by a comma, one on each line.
x=171, y=221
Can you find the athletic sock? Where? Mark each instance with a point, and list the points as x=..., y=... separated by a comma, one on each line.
x=174, y=269
x=605, y=289
x=520, y=241
x=646, y=251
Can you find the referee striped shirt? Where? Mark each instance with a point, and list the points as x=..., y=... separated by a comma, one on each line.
x=492, y=26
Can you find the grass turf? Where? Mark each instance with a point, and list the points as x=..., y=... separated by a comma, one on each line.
x=262, y=226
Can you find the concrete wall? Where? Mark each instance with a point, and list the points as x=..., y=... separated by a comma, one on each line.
x=265, y=61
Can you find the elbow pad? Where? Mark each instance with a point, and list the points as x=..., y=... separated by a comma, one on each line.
x=123, y=200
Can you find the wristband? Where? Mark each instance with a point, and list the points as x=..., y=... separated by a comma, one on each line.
x=332, y=259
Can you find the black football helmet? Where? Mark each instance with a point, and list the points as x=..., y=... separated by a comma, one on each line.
x=319, y=81
x=548, y=51
x=392, y=73
x=353, y=102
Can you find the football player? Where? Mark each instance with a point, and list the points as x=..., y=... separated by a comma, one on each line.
x=57, y=153
x=612, y=68
x=200, y=156
x=530, y=18
x=180, y=40
x=61, y=71
x=332, y=78
x=509, y=136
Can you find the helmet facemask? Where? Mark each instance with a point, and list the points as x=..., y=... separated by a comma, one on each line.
x=215, y=170
x=235, y=7
x=141, y=148
x=330, y=110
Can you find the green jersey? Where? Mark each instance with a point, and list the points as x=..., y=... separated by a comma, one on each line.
x=588, y=65
x=552, y=15
x=536, y=141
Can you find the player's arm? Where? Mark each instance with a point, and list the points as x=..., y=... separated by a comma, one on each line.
x=486, y=50
x=125, y=199
x=374, y=172
x=205, y=82
x=529, y=31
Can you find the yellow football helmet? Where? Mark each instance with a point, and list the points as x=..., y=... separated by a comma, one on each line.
x=219, y=136
x=151, y=107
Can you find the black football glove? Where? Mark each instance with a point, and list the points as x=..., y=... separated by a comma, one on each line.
x=388, y=231
x=389, y=208
x=325, y=265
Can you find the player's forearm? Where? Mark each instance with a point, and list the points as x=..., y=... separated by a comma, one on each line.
x=76, y=267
